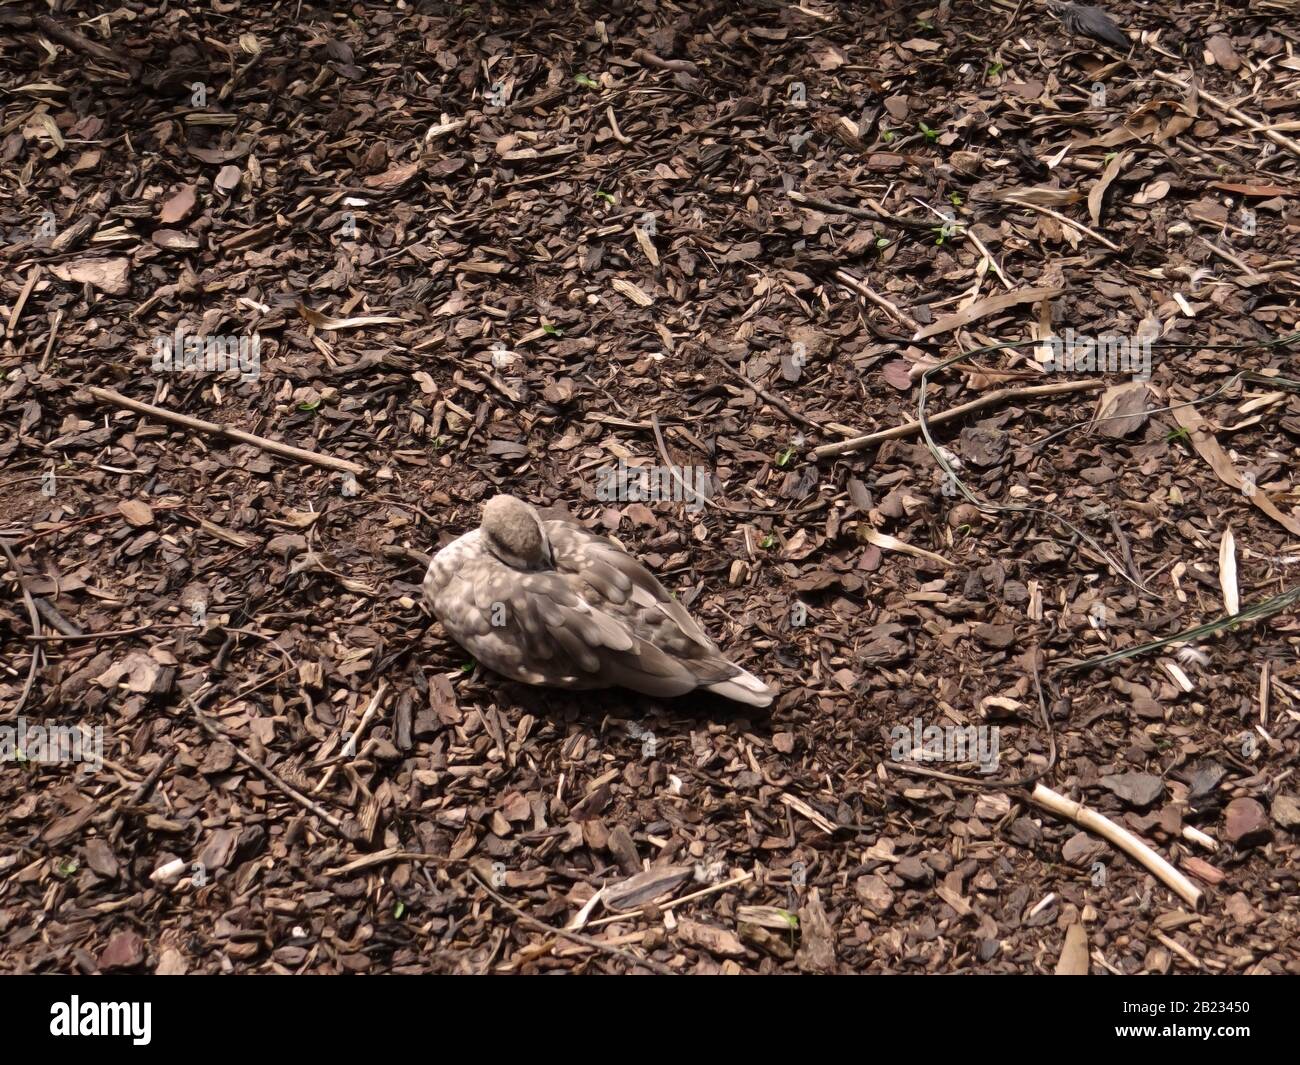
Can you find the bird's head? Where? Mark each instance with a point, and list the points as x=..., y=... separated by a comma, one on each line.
x=513, y=533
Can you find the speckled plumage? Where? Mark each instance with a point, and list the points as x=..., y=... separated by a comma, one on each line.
x=547, y=602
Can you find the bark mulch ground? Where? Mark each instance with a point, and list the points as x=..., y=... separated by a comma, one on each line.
x=499, y=247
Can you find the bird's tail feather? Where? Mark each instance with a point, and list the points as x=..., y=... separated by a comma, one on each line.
x=744, y=687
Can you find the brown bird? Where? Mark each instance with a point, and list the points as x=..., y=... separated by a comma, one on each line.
x=547, y=602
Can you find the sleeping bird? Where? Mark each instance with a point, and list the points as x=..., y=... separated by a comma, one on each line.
x=549, y=603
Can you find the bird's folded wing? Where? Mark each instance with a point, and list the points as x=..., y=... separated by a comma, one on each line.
x=533, y=626
x=611, y=576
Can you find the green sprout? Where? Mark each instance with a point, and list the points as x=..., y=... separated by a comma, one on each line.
x=785, y=456
x=398, y=910
x=995, y=69
x=887, y=135
x=768, y=542
x=792, y=921
x=931, y=135
x=307, y=408
x=550, y=330
x=602, y=194
x=586, y=82
x=882, y=243
x=955, y=199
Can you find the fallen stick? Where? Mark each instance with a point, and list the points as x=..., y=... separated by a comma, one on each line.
x=109, y=635
x=857, y=285
x=987, y=400
x=1064, y=220
x=1180, y=950
x=649, y=59
x=37, y=653
x=141, y=793
x=672, y=904
x=72, y=39
x=576, y=937
x=766, y=396
x=261, y=770
x=49, y=343
x=392, y=854
x=1121, y=838
x=380, y=692
x=1241, y=116
x=857, y=212
x=314, y=458
x=33, y=275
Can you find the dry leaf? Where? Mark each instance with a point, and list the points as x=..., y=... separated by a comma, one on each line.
x=1253, y=190
x=1121, y=410
x=889, y=543
x=1098, y=191
x=1228, y=572
x=107, y=275
x=1209, y=449
x=1152, y=193
x=636, y=891
x=983, y=308
x=1219, y=49
x=1039, y=196
x=324, y=321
